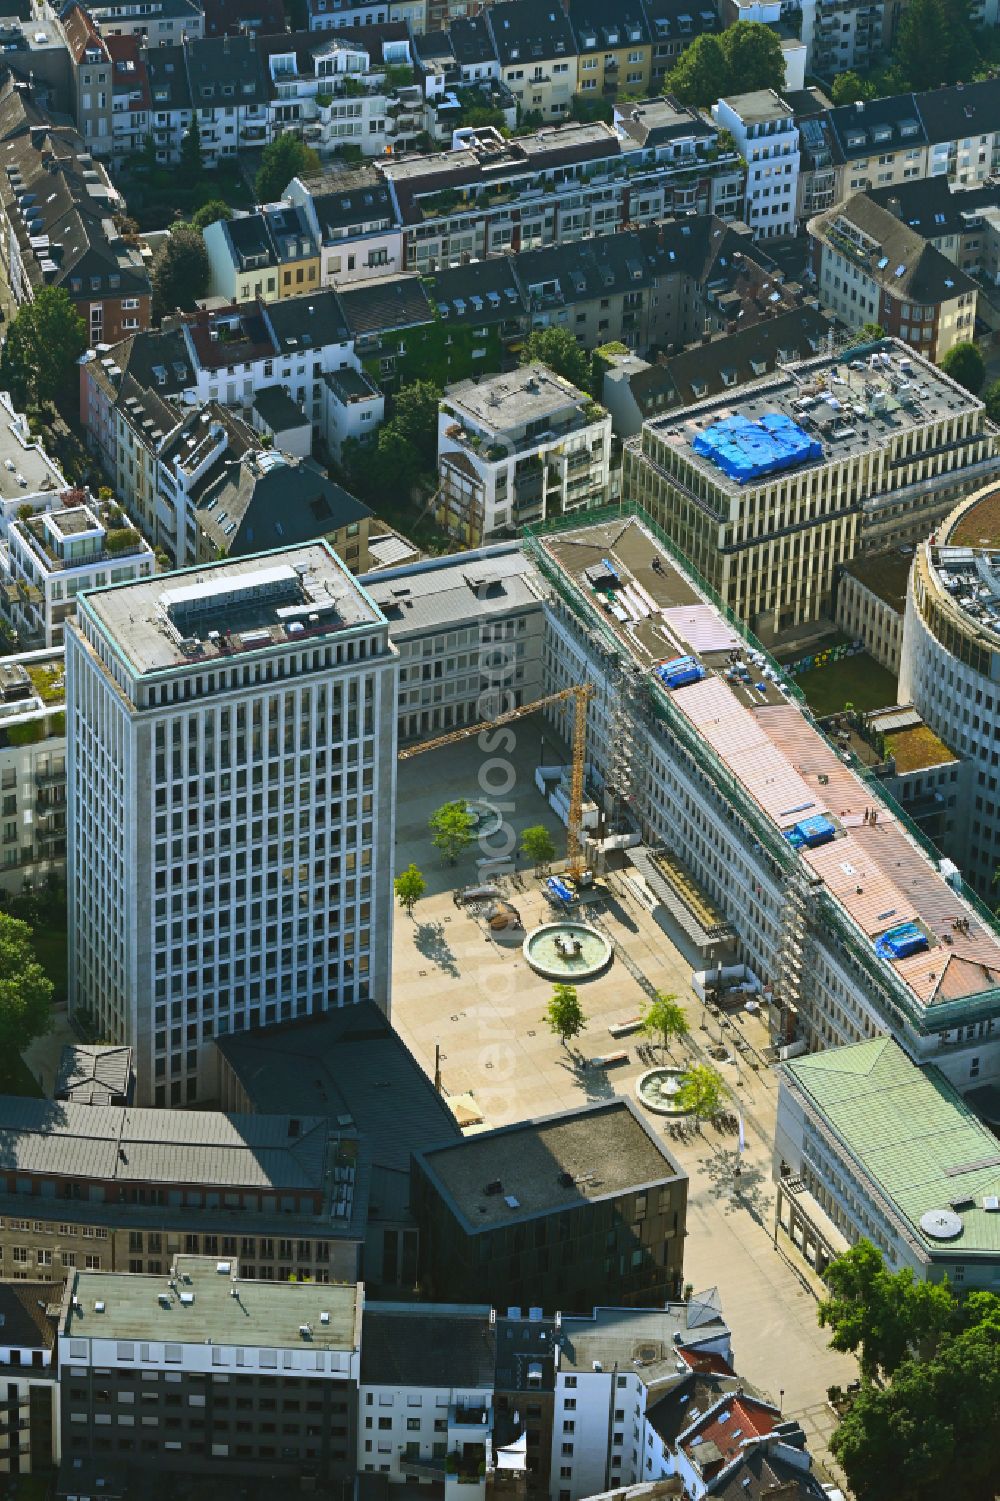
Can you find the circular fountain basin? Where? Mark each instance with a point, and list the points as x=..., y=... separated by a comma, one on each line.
x=658, y=1089
x=566, y=951
x=485, y=818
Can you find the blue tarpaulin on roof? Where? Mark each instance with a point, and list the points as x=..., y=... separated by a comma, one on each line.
x=900, y=941
x=746, y=450
x=679, y=671
x=811, y=831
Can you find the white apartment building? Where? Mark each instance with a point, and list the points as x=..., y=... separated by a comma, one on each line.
x=516, y=448
x=767, y=138
x=51, y=557
x=28, y=476
x=32, y=768
x=231, y=806
x=425, y=1401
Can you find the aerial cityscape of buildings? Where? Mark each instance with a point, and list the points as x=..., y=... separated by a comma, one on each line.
x=596, y=405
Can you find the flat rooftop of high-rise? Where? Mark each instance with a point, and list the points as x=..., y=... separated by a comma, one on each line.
x=830, y=408
x=207, y=614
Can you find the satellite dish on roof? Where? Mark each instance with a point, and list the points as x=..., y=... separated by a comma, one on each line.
x=941, y=1224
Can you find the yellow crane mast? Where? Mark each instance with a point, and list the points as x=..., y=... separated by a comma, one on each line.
x=581, y=694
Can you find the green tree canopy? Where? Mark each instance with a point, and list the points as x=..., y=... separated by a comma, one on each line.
x=557, y=348
x=964, y=363
x=180, y=270
x=404, y=452
x=564, y=1014
x=210, y=212
x=932, y=1430
x=877, y=1314
x=409, y=887
x=284, y=158
x=666, y=1019
x=742, y=58
x=991, y=396
x=701, y=1092
x=25, y=991
x=42, y=347
x=452, y=829
x=415, y=420
x=537, y=845
x=848, y=88
x=754, y=57
x=700, y=76
x=192, y=162
x=936, y=43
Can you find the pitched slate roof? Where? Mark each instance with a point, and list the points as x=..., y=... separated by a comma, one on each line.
x=385, y=302
x=66, y=197
x=905, y=264
x=525, y=31
x=267, y=499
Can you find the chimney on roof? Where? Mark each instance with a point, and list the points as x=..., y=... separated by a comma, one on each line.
x=895, y=206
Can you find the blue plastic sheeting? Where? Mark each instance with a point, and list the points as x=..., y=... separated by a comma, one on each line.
x=679, y=671
x=905, y=939
x=558, y=889
x=607, y=563
x=811, y=831
x=747, y=450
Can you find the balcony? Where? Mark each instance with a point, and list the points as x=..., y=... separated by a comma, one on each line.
x=468, y=1418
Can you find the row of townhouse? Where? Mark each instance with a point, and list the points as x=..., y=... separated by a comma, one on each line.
x=530, y=60
x=199, y=1376
x=489, y=195
x=337, y=92
x=951, y=133
x=543, y=54
x=329, y=355
x=59, y=216
x=660, y=285
x=206, y=428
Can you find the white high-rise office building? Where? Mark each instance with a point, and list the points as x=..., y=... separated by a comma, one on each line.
x=231, y=806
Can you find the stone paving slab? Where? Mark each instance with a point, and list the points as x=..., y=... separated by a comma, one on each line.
x=455, y=986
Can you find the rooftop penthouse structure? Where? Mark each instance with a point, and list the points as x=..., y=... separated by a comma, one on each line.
x=852, y=919
x=231, y=702
x=876, y=445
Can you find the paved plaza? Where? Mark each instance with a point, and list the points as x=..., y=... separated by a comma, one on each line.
x=456, y=987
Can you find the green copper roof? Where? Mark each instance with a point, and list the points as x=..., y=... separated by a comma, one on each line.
x=913, y=1135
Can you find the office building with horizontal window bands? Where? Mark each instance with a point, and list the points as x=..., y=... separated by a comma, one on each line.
x=231, y=806
x=767, y=489
x=207, y=1373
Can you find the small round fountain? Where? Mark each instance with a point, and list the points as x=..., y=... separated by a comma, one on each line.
x=567, y=951
x=658, y=1090
x=486, y=820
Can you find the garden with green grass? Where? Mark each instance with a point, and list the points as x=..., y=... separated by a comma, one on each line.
x=852, y=683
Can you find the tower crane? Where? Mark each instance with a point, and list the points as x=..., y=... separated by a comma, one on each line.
x=581, y=693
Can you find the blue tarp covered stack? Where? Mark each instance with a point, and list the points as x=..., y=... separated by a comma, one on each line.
x=679, y=671
x=811, y=832
x=906, y=938
x=747, y=450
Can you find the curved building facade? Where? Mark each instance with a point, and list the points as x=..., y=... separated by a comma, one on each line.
x=950, y=664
